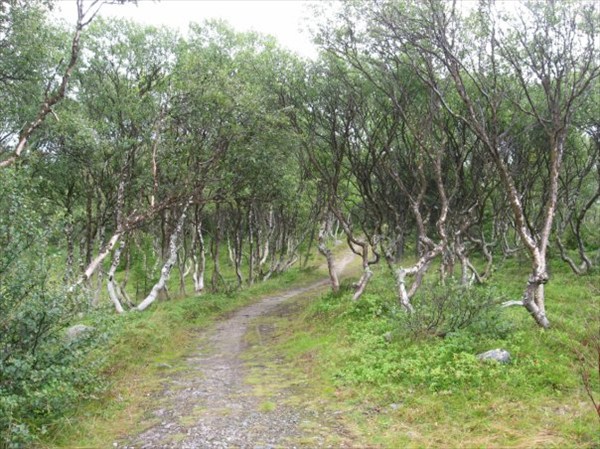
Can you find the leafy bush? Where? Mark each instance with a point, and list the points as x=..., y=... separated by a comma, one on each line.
x=445, y=366
x=388, y=347
x=42, y=373
x=443, y=309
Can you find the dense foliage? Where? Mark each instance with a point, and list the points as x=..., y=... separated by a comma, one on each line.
x=424, y=134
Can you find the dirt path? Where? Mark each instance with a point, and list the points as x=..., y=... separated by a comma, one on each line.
x=209, y=404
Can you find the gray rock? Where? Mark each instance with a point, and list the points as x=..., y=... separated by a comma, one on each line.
x=499, y=355
x=388, y=337
x=77, y=331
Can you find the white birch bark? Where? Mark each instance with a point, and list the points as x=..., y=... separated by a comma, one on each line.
x=362, y=282
x=271, y=229
x=230, y=252
x=165, y=272
x=333, y=277
x=400, y=276
x=111, y=285
x=93, y=266
x=199, y=263
x=84, y=17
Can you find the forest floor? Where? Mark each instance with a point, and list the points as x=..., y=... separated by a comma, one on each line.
x=218, y=399
x=288, y=364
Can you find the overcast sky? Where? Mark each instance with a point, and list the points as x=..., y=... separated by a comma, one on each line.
x=283, y=19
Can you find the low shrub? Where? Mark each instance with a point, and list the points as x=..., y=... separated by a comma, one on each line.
x=42, y=373
x=387, y=346
x=445, y=308
x=439, y=365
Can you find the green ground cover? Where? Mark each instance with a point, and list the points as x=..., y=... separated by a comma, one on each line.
x=139, y=349
x=398, y=387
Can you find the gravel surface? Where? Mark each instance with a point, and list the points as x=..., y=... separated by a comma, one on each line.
x=209, y=404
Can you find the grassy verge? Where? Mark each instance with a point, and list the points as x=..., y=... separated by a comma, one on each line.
x=141, y=350
x=392, y=388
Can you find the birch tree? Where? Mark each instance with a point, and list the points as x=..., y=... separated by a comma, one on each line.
x=549, y=55
x=56, y=86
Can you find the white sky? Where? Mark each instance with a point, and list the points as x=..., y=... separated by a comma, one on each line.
x=283, y=19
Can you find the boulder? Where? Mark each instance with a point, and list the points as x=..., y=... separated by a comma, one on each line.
x=499, y=355
x=77, y=331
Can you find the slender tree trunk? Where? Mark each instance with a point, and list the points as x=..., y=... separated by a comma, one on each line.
x=216, y=243
x=70, y=248
x=399, y=245
x=163, y=234
x=533, y=297
x=84, y=16
x=333, y=277
x=182, y=257
x=309, y=247
x=81, y=254
x=89, y=232
x=268, y=240
x=238, y=256
x=111, y=284
x=121, y=287
x=418, y=270
x=230, y=254
x=578, y=270
x=400, y=277
x=199, y=264
x=168, y=266
x=93, y=266
x=251, y=245
x=489, y=258
x=100, y=273
x=127, y=268
x=575, y=223
x=365, y=277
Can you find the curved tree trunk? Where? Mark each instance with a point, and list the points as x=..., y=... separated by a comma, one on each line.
x=111, y=285
x=333, y=277
x=165, y=272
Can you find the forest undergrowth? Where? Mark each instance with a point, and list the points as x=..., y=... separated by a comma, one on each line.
x=397, y=381
x=401, y=383
x=130, y=355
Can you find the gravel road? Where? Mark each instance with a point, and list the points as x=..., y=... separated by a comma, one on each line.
x=209, y=404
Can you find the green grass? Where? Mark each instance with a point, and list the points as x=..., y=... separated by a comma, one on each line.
x=142, y=349
x=267, y=406
x=338, y=358
x=416, y=391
